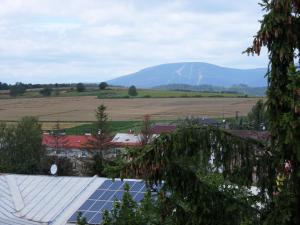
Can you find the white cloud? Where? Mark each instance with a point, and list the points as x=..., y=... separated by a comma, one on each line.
x=78, y=40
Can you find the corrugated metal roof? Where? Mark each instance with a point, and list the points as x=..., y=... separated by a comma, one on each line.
x=127, y=139
x=32, y=200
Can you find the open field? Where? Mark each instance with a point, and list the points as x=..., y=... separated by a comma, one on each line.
x=82, y=109
x=113, y=92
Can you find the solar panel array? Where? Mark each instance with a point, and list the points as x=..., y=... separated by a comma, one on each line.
x=103, y=199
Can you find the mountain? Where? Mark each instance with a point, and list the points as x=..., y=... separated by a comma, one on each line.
x=241, y=89
x=192, y=73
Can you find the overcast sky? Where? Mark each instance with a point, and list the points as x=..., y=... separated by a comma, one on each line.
x=49, y=41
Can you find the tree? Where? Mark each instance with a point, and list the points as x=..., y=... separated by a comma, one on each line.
x=257, y=116
x=97, y=165
x=103, y=85
x=280, y=33
x=80, y=87
x=4, y=86
x=102, y=123
x=17, y=89
x=21, y=148
x=146, y=132
x=64, y=165
x=46, y=91
x=132, y=91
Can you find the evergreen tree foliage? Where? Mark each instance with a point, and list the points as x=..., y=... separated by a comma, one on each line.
x=102, y=128
x=257, y=117
x=98, y=165
x=146, y=132
x=132, y=91
x=64, y=165
x=280, y=33
x=21, y=148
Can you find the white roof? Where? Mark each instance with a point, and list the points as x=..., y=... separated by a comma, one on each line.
x=33, y=200
x=127, y=138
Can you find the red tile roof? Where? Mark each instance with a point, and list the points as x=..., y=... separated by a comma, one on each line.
x=158, y=129
x=68, y=141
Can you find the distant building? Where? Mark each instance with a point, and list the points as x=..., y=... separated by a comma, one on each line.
x=79, y=146
x=209, y=122
x=262, y=136
x=162, y=128
x=126, y=140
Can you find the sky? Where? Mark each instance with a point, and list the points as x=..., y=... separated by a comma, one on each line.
x=56, y=41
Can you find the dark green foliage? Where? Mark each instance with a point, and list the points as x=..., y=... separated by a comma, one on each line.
x=17, y=89
x=21, y=147
x=103, y=85
x=64, y=165
x=132, y=91
x=81, y=220
x=4, y=86
x=280, y=33
x=46, y=91
x=203, y=191
x=97, y=166
x=102, y=117
x=149, y=212
x=257, y=117
x=80, y=87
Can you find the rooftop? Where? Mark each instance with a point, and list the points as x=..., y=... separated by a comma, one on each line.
x=43, y=200
x=68, y=141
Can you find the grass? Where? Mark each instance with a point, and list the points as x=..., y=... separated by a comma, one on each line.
x=115, y=127
x=113, y=93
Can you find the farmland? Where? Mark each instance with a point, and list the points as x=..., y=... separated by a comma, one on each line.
x=115, y=92
x=81, y=109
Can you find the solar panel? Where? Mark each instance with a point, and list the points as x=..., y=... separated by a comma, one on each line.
x=103, y=199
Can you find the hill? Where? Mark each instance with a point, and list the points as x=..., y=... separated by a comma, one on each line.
x=192, y=73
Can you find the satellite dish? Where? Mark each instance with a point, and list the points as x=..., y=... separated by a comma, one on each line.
x=53, y=169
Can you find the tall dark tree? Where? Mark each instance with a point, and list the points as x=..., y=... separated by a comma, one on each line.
x=103, y=85
x=280, y=33
x=146, y=132
x=132, y=91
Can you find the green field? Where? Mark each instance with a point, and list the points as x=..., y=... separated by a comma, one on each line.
x=115, y=127
x=112, y=93
x=148, y=93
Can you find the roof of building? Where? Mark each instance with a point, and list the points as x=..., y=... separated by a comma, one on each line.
x=209, y=121
x=41, y=200
x=262, y=136
x=68, y=141
x=127, y=139
x=160, y=128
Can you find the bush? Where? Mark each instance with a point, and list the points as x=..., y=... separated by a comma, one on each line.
x=17, y=89
x=80, y=87
x=46, y=91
